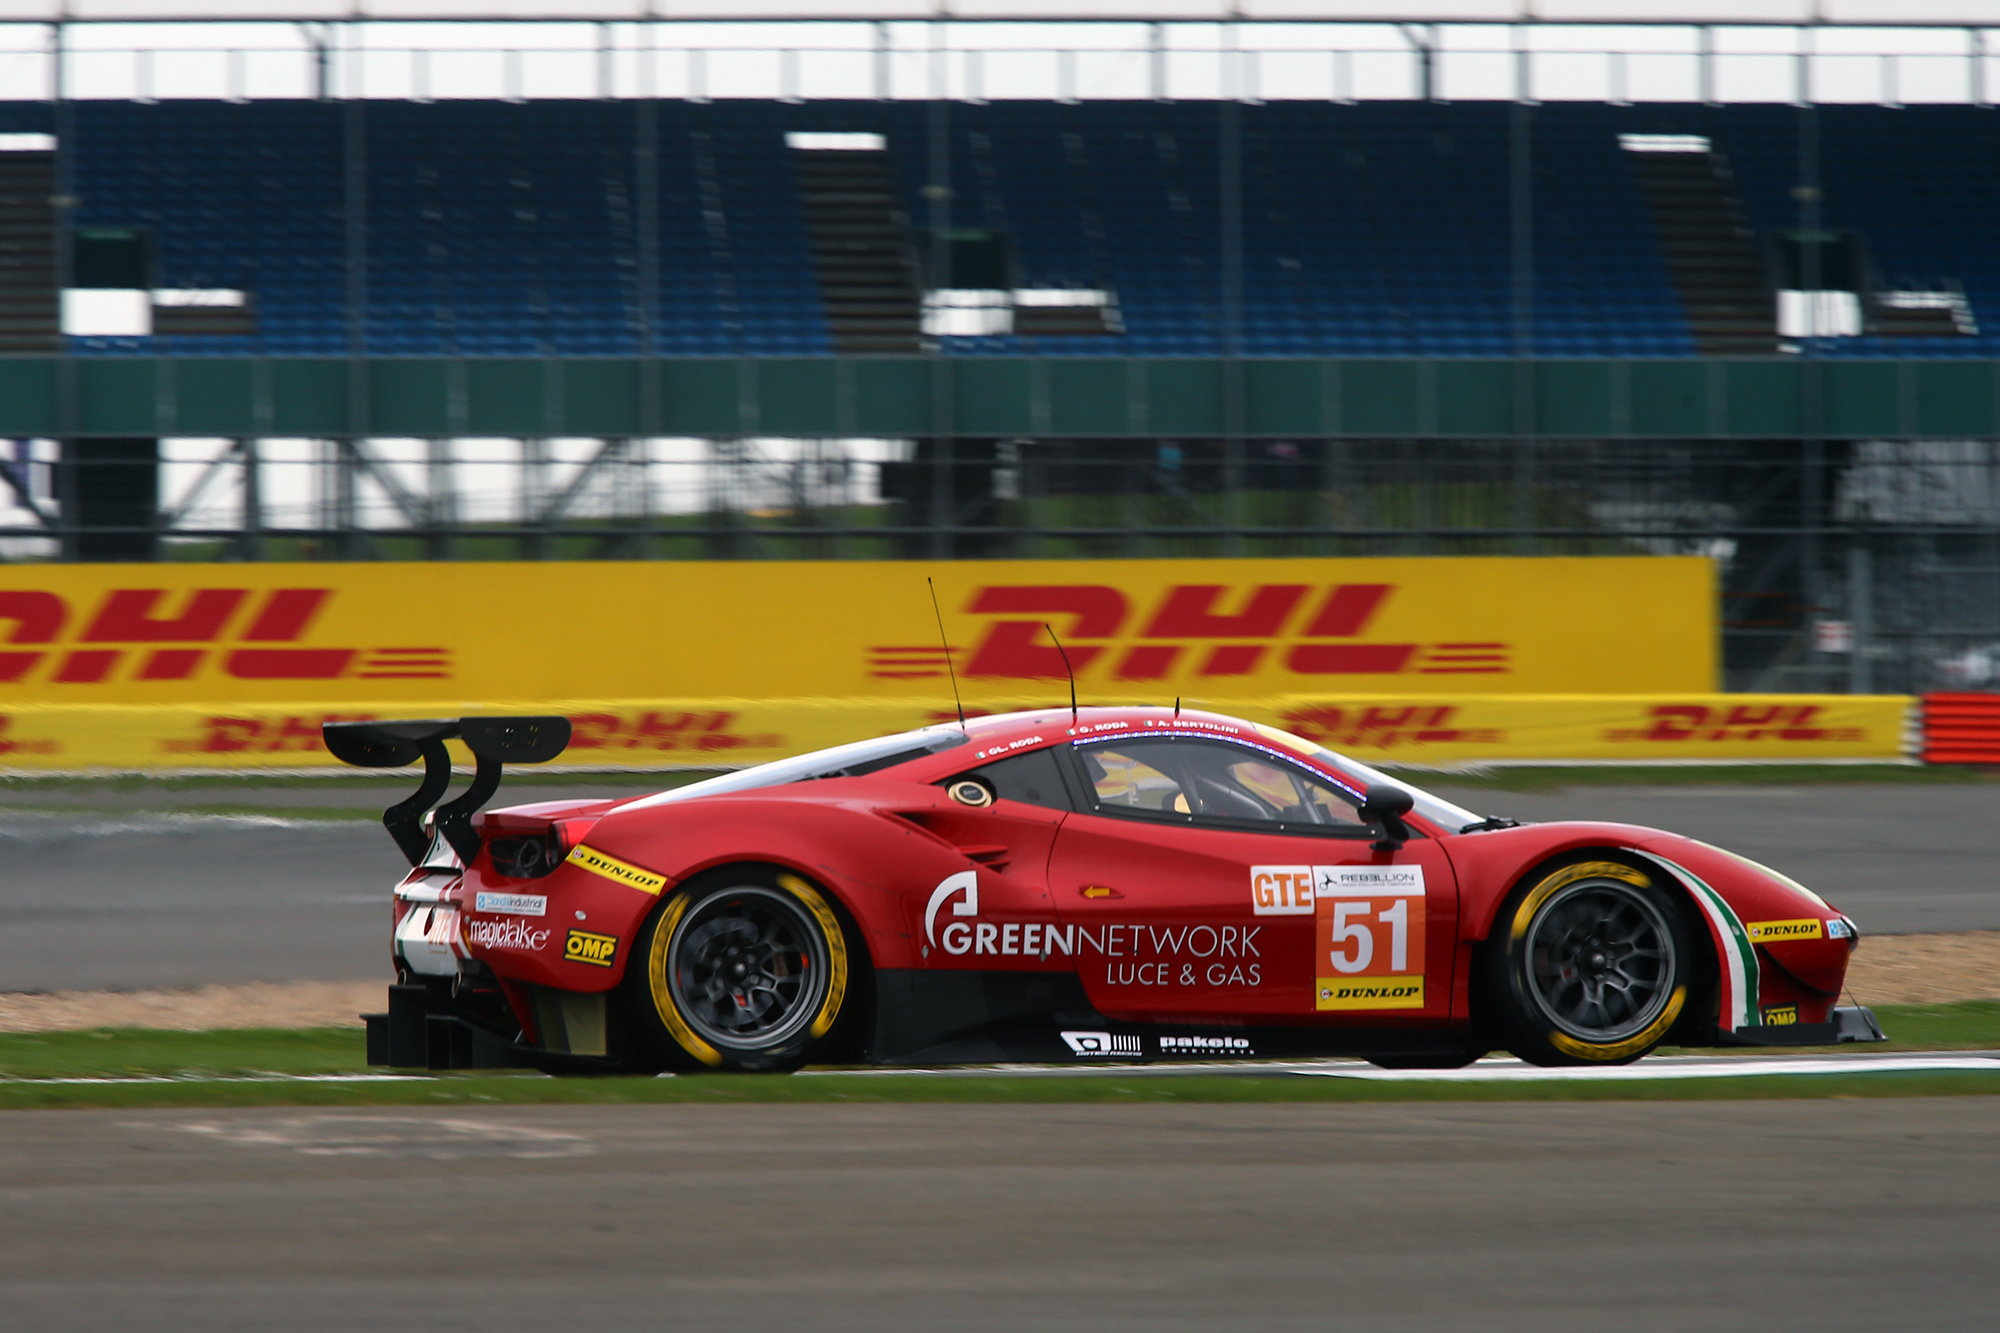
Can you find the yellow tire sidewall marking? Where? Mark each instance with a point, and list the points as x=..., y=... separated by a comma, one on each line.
x=663, y=995
x=836, y=949
x=1569, y=875
x=1632, y=1045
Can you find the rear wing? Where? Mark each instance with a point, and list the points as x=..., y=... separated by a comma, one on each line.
x=494, y=741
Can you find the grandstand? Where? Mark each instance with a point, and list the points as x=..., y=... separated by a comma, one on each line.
x=1378, y=229
x=1347, y=316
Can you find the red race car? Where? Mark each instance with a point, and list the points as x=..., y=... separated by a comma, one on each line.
x=1102, y=884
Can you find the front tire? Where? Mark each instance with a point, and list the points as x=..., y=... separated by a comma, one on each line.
x=745, y=969
x=1590, y=964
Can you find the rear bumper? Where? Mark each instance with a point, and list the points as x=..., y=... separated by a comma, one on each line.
x=1845, y=1024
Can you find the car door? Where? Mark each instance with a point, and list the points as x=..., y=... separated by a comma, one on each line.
x=1207, y=876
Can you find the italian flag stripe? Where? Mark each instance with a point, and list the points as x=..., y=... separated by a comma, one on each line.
x=1740, y=977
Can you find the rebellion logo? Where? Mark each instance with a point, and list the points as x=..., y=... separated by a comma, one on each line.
x=1195, y=629
x=146, y=634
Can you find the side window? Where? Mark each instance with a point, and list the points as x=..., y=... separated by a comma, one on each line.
x=1121, y=778
x=1214, y=781
x=1030, y=778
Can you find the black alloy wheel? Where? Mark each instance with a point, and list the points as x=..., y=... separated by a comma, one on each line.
x=1592, y=964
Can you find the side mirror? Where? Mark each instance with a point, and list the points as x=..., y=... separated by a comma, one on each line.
x=1386, y=805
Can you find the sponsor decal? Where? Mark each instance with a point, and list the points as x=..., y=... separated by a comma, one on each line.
x=1371, y=993
x=1841, y=929
x=285, y=733
x=1781, y=1017
x=505, y=935
x=1771, y=932
x=693, y=732
x=1202, y=629
x=581, y=946
x=12, y=744
x=1281, y=890
x=1205, y=1046
x=1386, y=727
x=1738, y=722
x=1101, y=1043
x=1135, y=955
x=149, y=634
x=515, y=904
x=1368, y=937
x=597, y=863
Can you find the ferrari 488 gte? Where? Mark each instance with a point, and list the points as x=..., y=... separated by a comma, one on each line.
x=1097, y=885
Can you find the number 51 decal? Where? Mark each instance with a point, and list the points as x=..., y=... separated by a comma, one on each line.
x=1368, y=933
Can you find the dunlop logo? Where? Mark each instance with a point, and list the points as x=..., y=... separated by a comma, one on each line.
x=1770, y=932
x=1370, y=993
x=597, y=863
x=583, y=947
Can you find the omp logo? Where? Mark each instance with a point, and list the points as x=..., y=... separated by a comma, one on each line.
x=1372, y=993
x=1101, y=1043
x=1788, y=1016
x=580, y=946
x=597, y=863
x=1738, y=722
x=147, y=634
x=1770, y=932
x=1194, y=629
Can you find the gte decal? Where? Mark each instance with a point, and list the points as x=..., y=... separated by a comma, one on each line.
x=148, y=634
x=1195, y=629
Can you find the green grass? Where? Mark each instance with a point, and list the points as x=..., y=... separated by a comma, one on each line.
x=197, y=1063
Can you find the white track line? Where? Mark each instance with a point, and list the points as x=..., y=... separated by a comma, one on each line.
x=1515, y=1071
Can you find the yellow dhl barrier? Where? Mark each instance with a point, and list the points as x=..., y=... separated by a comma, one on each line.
x=683, y=733
x=432, y=635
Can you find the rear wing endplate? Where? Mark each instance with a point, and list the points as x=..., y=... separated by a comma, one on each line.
x=494, y=741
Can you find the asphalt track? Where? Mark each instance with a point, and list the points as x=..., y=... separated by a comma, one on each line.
x=111, y=897
x=1709, y=1216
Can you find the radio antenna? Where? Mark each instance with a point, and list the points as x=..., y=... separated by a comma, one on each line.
x=1068, y=668
x=1177, y=708
x=945, y=639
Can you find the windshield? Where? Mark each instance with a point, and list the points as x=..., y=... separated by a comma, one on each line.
x=849, y=760
x=1440, y=812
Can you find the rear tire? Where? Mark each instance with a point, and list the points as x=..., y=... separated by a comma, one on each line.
x=745, y=969
x=1589, y=964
